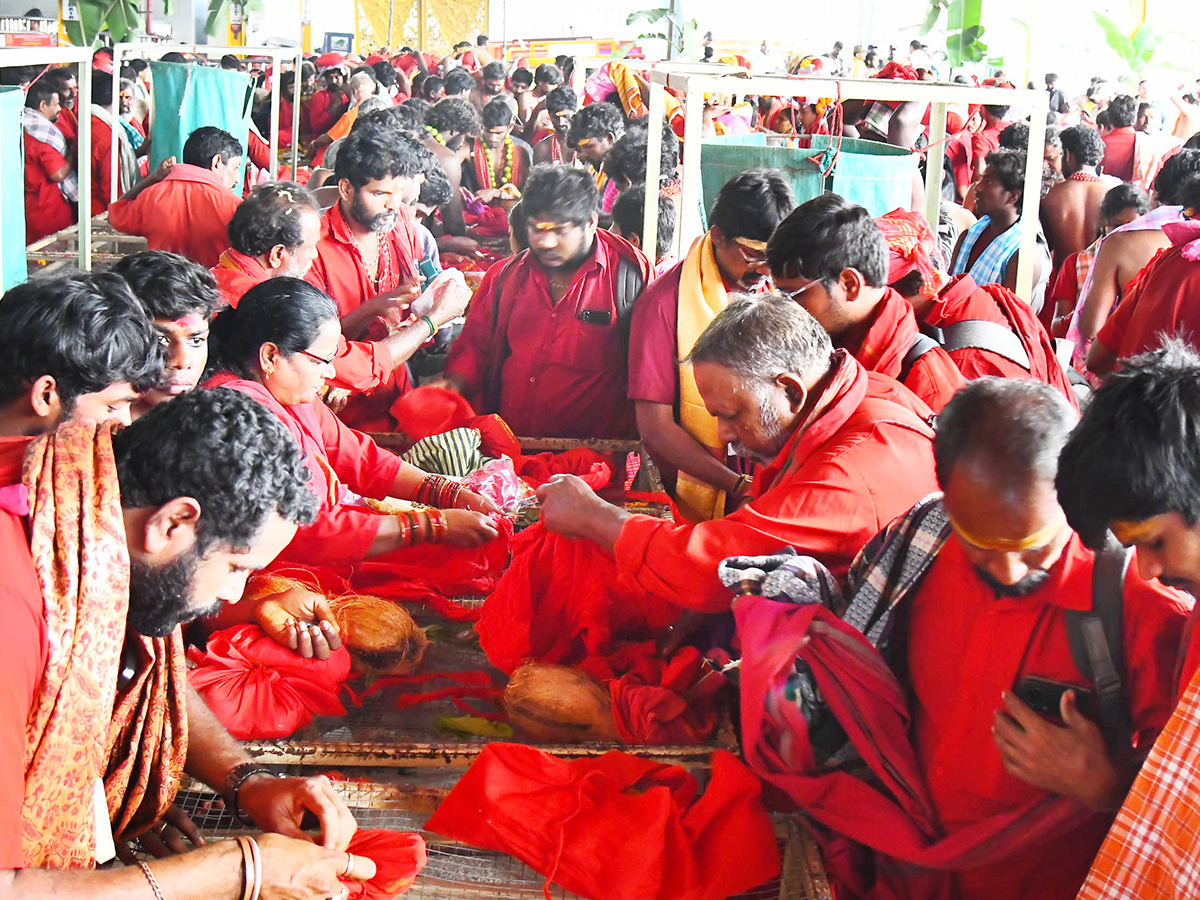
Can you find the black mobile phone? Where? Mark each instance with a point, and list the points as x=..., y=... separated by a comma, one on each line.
x=1044, y=696
x=595, y=316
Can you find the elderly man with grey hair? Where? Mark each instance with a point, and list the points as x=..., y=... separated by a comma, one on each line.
x=362, y=86
x=845, y=452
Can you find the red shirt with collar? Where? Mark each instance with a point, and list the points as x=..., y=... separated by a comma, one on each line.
x=1161, y=302
x=339, y=270
x=187, y=213
x=1119, y=147
x=22, y=646
x=546, y=371
x=963, y=300
x=46, y=209
x=359, y=365
x=68, y=123
x=966, y=645
x=866, y=458
x=985, y=140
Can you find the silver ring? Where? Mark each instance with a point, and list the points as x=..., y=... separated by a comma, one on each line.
x=342, y=894
x=349, y=868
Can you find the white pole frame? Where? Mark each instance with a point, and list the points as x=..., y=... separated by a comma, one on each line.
x=56, y=56
x=694, y=87
x=278, y=56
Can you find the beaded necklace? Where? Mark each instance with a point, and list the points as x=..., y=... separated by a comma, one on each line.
x=487, y=177
x=436, y=135
x=556, y=154
x=1083, y=176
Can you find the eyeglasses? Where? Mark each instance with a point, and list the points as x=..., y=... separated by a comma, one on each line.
x=792, y=295
x=319, y=359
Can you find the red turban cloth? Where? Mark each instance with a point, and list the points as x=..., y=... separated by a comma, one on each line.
x=911, y=245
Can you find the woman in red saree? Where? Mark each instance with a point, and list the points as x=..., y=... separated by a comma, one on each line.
x=277, y=345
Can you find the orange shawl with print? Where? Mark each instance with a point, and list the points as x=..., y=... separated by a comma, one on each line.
x=81, y=559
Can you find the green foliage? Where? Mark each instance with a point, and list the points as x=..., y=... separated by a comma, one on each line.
x=687, y=31
x=120, y=18
x=1135, y=50
x=963, y=28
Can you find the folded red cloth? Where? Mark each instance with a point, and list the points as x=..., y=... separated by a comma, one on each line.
x=398, y=857
x=259, y=689
x=616, y=826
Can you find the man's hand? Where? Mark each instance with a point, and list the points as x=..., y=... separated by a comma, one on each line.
x=487, y=195
x=295, y=870
x=569, y=506
x=301, y=620
x=1070, y=759
x=393, y=305
x=450, y=299
x=460, y=244
x=280, y=804
x=167, y=838
x=337, y=398
x=163, y=170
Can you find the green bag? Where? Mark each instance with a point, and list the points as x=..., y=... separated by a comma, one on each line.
x=187, y=97
x=13, y=266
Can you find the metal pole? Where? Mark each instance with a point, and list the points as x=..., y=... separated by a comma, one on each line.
x=935, y=164
x=114, y=191
x=690, y=226
x=1032, y=198
x=657, y=112
x=83, y=155
x=421, y=25
x=296, y=112
x=391, y=17
x=273, y=165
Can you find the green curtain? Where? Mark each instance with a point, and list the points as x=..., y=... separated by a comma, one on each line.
x=13, y=267
x=187, y=97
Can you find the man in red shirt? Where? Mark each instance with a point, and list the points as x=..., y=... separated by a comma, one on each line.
x=990, y=615
x=831, y=258
x=327, y=105
x=987, y=138
x=73, y=347
x=547, y=346
x=63, y=81
x=846, y=452
x=1018, y=348
x=1121, y=141
x=51, y=188
x=731, y=257
x=185, y=207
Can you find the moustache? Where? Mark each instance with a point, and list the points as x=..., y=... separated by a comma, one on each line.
x=1022, y=588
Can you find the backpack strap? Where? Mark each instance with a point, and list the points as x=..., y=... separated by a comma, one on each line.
x=1096, y=638
x=980, y=334
x=920, y=345
x=629, y=288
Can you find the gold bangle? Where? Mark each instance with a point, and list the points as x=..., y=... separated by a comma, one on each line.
x=151, y=879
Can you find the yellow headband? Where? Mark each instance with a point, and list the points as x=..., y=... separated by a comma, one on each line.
x=1040, y=538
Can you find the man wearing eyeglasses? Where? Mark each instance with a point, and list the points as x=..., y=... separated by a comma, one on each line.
x=831, y=258
x=677, y=430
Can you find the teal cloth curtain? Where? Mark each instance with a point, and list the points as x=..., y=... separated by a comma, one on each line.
x=13, y=267
x=187, y=97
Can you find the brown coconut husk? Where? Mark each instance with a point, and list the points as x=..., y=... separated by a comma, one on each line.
x=262, y=586
x=379, y=633
x=558, y=704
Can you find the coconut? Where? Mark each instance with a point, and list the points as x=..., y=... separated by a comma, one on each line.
x=379, y=633
x=261, y=586
x=558, y=704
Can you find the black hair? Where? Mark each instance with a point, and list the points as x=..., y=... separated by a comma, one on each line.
x=462, y=44
x=561, y=99
x=596, y=120
x=405, y=120
x=364, y=157
x=270, y=217
x=173, y=56
x=431, y=85
x=481, y=40
x=138, y=65
x=560, y=193
x=1189, y=193
x=41, y=91
x=998, y=112
x=102, y=88
x=827, y=235
x=1102, y=119
x=1136, y=451
x=548, y=73
x=88, y=331
x=458, y=81
x=1122, y=111
x=1142, y=107
x=1015, y=136
x=1122, y=197
x=516, y=226
x=287, y=312
x=1051, y=78
x=206, y=142
x=436, y=190
x=225, y=450
x=1016, y=427
x=751, y=205
x=1173, y=173
x=628, y=214
x=229, y=61
x=626, y=159
x=494, y=70
x=170, y=286
x=1009, y=167
x=497, y=114
x=59, y=78
x=522, y=76
x=384, y=73
x=453, y=115
x=419, y=106
x=1084, y=143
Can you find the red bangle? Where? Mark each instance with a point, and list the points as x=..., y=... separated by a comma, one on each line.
x=437, y=525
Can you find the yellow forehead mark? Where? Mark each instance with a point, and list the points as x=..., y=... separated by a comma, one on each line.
x=1130, y=532
x=544, y=226
x=757, y=246
x=1040, y=538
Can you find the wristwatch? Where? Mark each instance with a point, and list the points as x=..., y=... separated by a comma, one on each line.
x=238, y=776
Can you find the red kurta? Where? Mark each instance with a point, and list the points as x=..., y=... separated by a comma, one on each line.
x=321, y=110
x=359, y=365
x=966, y=646
x=934, y=377
x=46, y=209
x=865, y=459
x=1119, y=145
x=186, y=213
x=101, y=165
x=22, y=646
x=545, y=370
x=340, y=460
x=964, y=300
x=1161, y=302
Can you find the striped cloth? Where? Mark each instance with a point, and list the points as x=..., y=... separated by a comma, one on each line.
x=455, y=453
x=1152, y=849
x=989, y=267
x=38, y=127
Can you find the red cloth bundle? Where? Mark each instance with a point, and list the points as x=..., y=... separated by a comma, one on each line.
x=666, y=702
x=589, y=465
x=398, y=856
x=426, y=411
x=490, y=221
x=559, y=602
x=259, y=689
x=616, y=826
